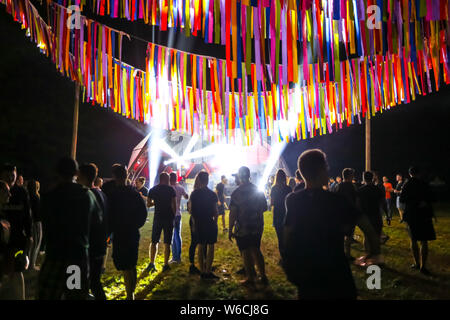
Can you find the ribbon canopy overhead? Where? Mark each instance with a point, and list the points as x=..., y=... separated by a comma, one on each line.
x=293, y=69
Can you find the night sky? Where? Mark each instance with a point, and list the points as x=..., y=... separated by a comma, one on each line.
x=36, y=110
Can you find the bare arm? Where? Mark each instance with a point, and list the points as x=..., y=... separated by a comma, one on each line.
x=174, y=204
x=150, y=202
x=232, y=221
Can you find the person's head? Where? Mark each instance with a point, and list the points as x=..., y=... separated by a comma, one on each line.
x=8, y=174
x=67, y=169
x=368, y=177
x=414, y=171
x=140, y=182
x=298, y=176
x=98, y=182
x=33, y=187
x=173, y=178
x=313, y=168
x=119, y=173
x=87, y=174
x=399, y=177
x=331, y=180
x=385, y=180
x=280, y=177
x=4, y=193
x=244, y=174
x=223, y=179
x=338, y=179
x=19, y=181
x=164, y=178
x=292, y=183
x=203, y=179
x=348, y=174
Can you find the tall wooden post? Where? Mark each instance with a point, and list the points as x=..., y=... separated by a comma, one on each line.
x=76, y=108
x=368, y=162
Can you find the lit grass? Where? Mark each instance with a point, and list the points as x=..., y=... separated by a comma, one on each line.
x=398, y=280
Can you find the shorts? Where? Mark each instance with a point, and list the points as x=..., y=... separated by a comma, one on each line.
x=165, y=226
x=53, y=277
x=207, y=234
x=125, y=254
x=400, y=205
x=249, y=241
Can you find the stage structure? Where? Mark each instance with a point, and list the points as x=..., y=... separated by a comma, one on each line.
x=187, y=155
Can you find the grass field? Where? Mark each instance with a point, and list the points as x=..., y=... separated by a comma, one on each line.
x=398, y=281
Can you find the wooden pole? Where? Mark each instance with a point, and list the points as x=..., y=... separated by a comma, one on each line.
x=368, y=162
x=76, y=108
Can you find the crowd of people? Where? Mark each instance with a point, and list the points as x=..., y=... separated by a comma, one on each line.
x=314, y=218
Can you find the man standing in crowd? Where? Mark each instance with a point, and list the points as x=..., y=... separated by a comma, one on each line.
x=397, y=191
x=163, y=197
x=220, y=190
x=176, y=239
x=347, y=189
x=370, y=200
x=247, y=207
x=315, y=226
x=388, y=198
x=98, y=232
x=203, y=207
x=68, y=211
x=18, y=213
x=33, y=187
x=417, y=197
x=141, y=188
x=126, y=215
x=277, y=200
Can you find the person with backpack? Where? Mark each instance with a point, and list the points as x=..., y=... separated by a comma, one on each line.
x=246, y=224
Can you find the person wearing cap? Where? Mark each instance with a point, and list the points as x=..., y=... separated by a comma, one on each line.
x=246, y=225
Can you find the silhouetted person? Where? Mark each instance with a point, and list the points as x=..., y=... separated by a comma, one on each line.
x=68, y=211
x=316, y=223
x=417, y=197
x=98, y=231
x=176, y=239
x=300, y=184
x=277, y=200
x=163, y=197
x=18, y=214
x=246, y=225
x=220, y=190
x=126, y=215
x=397, y=192
x=5, y=231
x=194, y=236
x=347, y=189
x=369, y=201
x=203, y=208
x=33, y=188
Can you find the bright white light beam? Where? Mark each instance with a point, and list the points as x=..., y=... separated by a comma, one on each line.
x=275, y=152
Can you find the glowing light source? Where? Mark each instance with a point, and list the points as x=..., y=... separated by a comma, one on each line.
x=275, y=152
